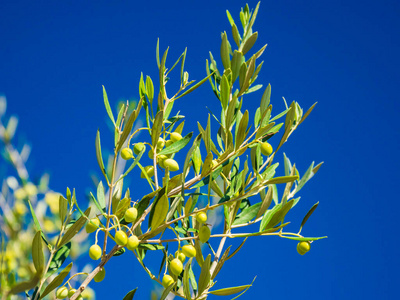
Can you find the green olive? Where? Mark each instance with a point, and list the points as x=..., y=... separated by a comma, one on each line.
x=266, y=149
x=71, y=292
x=62, y=293
x=149, y=171
x=150, y=154
x=160, y=143
x=138, y=148
x=179, y=255
x=168, y=143
x=175, y=137
x=214, y=163
x=176, y=266
x=201, y=217
x=126, y=153
x=133, y=242
x=92, y=225
x=160, y=160
x=204, y=234
x=171, y=164
x=100, y=276
x=189, y=250
x=95, y=252
x=121, y=238
x=303, y=247
x=130, y=215
x=167, y=280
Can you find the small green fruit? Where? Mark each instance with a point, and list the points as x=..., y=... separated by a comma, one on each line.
x=149, y=171
x=160, y=160
x=130, y=215
x=87, y=293
x=138, y=148
x=176, y=266
x=126, y=153
x=133, y=242
x=150, y=154
x=160, y=143
x=179, y=255
x=303, y=247
x=214, y=163
x=72, y=292
x=121, y=238
x=92, y=225
x=189, y=251
x=62, y=293
x=167, y=280
x=168, y=143
x=175, y=137
x=171, y=164
x=266, y=149
x=201, y=217
x=204, y=234
x=100, y=276
x=95, y=252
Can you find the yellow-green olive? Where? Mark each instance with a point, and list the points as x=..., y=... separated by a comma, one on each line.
x=138, y=148
x=176, y=266
x=204, y=234
x=95, y=252
x=133, y=242
x=189, y=250
x=167, y=280
x=201, y=217
x=100, y=276
x=171, y=164
x=266, y=149
x=126, y=153
x=303, y=247
x=179, y=255
x=130, y=215
x=175, y=136
x=160, y=143
x=92, y=225
x=121, y=238
x=149, y=171
x=62, y=293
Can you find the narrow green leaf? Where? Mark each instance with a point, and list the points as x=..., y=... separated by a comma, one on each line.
x=308, y=215
x=158, y=53
x=160, y=212
x=265, y=203
x=242, y=129
x=186, y=286
x=228, y=14
x=177, y=146
x=265, y=99
x=58, y=259
x=167, y=291
x=24, y=286
x=236, y=35
x=229, y=291
x=152, y=247
x=250, y=43
x=307, y=113
x=107, y=105
x=247, y=214
x=237, y=249
x=130, y=295
x=75, y=228
x=191, y=89
x=128, y=127
x=157, y=127
x=282, y=179
x=98, y=154
x=100, y=195
x=57, y=281
x=149, y=89
x=226, y=62
x=37, y=253
x=221, y=262
x=62, y=208
x=224, y=91
x=304, y=239
x=274, y=216
x=287, y=164
x=134, y=163
x=205, y=276
x=236, y=64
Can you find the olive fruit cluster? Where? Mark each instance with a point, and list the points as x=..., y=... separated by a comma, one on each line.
x=303, y=247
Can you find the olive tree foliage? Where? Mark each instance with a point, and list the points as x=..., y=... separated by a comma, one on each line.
x=29, y=212
x=230, y=172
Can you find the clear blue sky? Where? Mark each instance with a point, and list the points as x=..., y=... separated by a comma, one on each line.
x=55, y=55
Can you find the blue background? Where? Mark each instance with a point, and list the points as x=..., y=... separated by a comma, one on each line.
x=55, y=55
